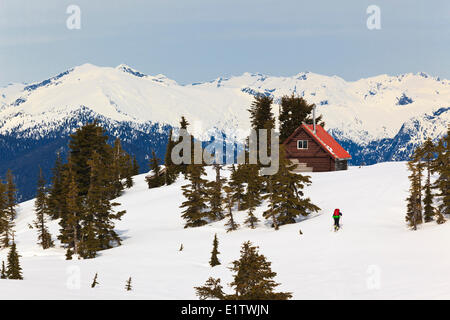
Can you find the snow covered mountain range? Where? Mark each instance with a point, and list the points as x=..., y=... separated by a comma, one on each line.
x=376, y=119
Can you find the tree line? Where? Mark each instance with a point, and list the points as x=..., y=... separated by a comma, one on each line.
x=208, y=201
x=80, y=196
x=429, y=193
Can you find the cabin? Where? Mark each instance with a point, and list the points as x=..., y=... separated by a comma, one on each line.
x=312, y=149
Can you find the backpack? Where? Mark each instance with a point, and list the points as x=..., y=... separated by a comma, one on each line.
x=336, y=213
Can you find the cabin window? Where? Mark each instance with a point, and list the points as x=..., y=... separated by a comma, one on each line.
x=302, y=144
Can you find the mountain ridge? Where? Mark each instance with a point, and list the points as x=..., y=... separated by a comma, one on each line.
x=381, y=118
x=125, y=94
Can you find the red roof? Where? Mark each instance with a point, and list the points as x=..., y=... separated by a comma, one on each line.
x=325, y=140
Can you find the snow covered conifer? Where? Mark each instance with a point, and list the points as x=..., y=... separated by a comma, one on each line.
x=214, y=261
x=41, y=209
x=13, y=269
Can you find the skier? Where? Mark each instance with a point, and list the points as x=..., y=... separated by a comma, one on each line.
x=336, y=216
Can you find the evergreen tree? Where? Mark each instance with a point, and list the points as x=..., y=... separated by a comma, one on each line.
x=440, y=217
x=231, y=224
x=170, y=174
x=195, y=192
x=13, y=269
x=285, y=196
x=84, y=142
x=135, y=166
x=94, y=282
x=252, y=280
x=157, y=179
x=41, y=209
x=184, y=123
x=427, y=154
x=3, y=272
x=56, y=197
x=128, y=286
x=97, y=225
x=183, y=168
x=11, y=192
x=420, y=168
x=252, y=195
x=125, y=165
x=414, y=205
x=119, y=168
x=93, y=176
x=261, y=112
x=261, y=117
x=236, y=183
x=441, y=166
x=4, y=217
x=215, y=195
x=214, y=261
x=129, y=175
x=294, y=111
x=7, y=209
x=70, y=221
x=211, y=290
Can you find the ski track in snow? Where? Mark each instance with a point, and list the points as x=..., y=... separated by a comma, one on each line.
x=320, y=264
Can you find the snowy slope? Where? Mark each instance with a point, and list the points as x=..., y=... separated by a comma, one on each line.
x=362, y=111
x=373, y=243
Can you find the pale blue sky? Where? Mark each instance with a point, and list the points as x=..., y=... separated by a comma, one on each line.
x=199, y=40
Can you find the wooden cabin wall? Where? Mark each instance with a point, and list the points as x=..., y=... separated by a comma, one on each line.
x=314, y=156
x=341, y=165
